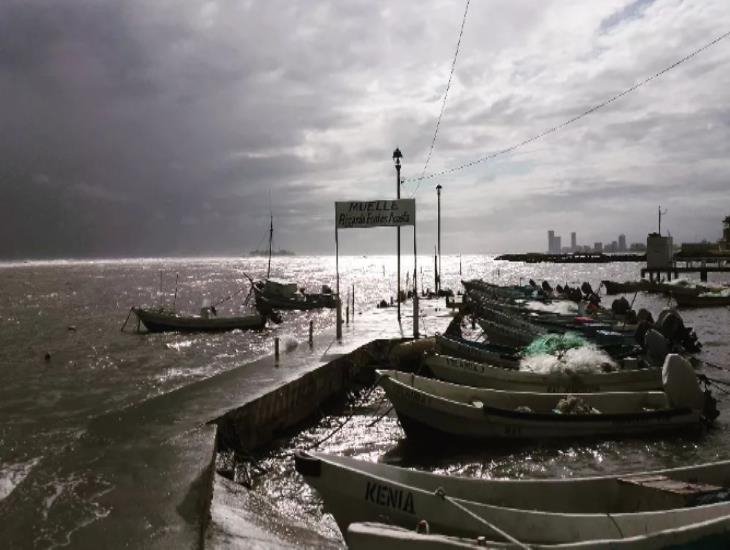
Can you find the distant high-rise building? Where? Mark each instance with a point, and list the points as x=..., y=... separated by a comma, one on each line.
x=573, y=242
x=558, y=245
x=553, y=243
x=598, y=247
x=622, y=243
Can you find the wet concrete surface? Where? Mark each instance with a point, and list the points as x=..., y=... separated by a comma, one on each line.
x=146, y=471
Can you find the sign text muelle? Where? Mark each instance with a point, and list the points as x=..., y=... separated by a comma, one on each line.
x=385, y=213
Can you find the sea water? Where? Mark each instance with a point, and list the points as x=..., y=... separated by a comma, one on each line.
x=64, y=362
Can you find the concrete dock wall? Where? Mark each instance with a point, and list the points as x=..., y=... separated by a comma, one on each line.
x=255, y=423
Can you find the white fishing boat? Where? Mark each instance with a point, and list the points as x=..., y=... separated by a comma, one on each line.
x=505, y=335
x=482, y=375
x=276, y=294
x=429, y=408
x=493, y=354
x=547, y=511
x=711, y=533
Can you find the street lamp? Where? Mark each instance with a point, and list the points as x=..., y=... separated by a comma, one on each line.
x=397, y=155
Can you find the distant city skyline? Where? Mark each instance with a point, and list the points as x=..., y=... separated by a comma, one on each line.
x=618, y=245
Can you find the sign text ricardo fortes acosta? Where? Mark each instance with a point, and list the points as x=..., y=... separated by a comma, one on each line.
x=357, y=214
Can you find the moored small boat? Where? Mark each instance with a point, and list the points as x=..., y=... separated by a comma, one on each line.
x=272, y=294
x=702, y=300
x=493, y=354
x=710, y=533
x=613, y=287
x=429, y=408
x=550, y=511
x=157, y=320
x=477, y=374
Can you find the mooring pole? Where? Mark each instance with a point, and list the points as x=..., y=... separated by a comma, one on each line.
x=397, y=155
x=438, y=232
x=338, y=322
x=435, y=271
x=415, y=285
x=174, y=300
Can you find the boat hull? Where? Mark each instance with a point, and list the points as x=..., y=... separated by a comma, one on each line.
x=701, y=301
x=470, y=373
x=354, y=495
x=427, y=408
x=155, y=321
x=500, y=356
x=711, y=534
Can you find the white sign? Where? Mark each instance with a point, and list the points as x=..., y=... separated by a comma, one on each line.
x=358, y=214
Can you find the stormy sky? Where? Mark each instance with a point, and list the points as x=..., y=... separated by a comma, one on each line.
x=138, y=128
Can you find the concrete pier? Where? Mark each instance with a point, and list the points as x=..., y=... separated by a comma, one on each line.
x=147, y=471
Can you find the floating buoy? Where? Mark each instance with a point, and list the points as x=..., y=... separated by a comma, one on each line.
x=47, y=356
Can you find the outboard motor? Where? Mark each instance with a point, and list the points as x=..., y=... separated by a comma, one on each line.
x=532, y=283
x=680, y=383
x=631, y=317
x=682, y=386
x=575, y=295
x=620, y=306
x=656, y=346
x=641, y=329
x=671, y=325
x=559, y=289
x=546, y=287
x=586, y=288
x=645, y=315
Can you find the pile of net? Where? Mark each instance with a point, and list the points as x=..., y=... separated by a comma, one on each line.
x=720, y=293
x=573, y=404
x=562, y=307
x=554, y=344
x=568, y=353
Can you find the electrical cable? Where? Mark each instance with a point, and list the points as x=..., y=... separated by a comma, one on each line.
x=569, y=121
x=446, y=95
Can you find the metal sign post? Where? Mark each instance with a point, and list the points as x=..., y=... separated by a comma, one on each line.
x=385, y=213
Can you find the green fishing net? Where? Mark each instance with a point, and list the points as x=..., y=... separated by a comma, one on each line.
x=554, y=344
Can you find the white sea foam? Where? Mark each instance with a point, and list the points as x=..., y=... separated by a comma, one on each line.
x=584, y=359
x=11, y=475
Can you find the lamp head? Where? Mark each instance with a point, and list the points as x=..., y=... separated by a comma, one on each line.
x=397, y=155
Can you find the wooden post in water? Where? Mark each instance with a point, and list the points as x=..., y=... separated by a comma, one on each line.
x=311, y=334
x=347, y=314
x=276, y=349
x=339, y=318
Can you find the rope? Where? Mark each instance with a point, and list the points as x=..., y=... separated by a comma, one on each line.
x=571, y=120
x=230, y=296
x=131, y=309
x=442, y=494
x=715, y=366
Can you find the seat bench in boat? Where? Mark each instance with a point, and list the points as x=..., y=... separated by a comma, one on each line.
x=658, y=491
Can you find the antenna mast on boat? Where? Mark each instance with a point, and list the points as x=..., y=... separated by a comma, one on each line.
x=271, y=238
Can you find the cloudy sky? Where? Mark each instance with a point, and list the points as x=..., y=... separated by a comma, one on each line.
x=137, y=128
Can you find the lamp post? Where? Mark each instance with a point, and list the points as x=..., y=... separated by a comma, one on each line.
x=397, y=155
x=438, y=232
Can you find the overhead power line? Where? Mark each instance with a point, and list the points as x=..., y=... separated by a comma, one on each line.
x=562, y=125
x=446, y=94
